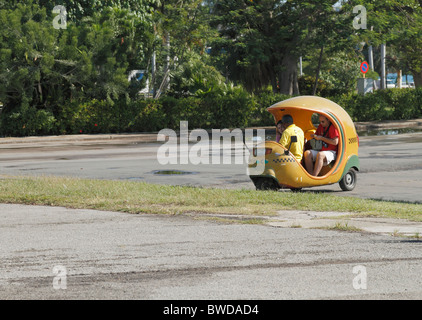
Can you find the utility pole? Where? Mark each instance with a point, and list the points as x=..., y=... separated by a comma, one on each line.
x=371, y=58
x=371, y=54
x=383, y=83
x=153, y=71
x=300, y=66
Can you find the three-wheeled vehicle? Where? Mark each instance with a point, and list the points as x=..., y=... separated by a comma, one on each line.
x=280, y=169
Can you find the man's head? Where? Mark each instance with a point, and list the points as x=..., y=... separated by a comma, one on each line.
x=287, y=120
x=324, y=121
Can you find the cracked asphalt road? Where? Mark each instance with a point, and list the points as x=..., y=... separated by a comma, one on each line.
x=391, y=166
x=109, y=255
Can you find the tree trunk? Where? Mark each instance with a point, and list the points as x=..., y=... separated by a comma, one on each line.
x=167, y=60
x=417, y=77
x=288, y=76
x=318, y=70
x=399, y=79
x=165, y=83
x=273, y=79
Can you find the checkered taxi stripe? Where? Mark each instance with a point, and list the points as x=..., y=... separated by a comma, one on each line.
x=284, y=160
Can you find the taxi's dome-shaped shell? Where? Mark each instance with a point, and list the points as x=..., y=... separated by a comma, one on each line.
x=314, y=104
x=292, y=174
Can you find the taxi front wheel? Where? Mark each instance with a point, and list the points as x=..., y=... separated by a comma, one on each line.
x=348, y=182
x=265, y=184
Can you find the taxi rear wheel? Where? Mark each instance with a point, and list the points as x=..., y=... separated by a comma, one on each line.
x=348, y=182
x=265, y=184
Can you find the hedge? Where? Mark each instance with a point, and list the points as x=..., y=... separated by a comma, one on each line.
x=233, y=109
x=390, y=104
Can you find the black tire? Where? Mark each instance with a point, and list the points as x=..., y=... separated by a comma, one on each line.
x=266, y=184
x=348, y=182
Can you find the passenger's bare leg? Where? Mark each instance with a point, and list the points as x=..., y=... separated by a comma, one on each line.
x=319, y=162
x=309, y=165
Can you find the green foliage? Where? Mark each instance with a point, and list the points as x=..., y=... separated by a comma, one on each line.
x=27, y=121
x=230, y=108
x=195, y=77
x=45, y=73
x=260, y=41
x=263, y=100
x=369, y=107
x=390, y=104
x=216, y=109
x=398, y=24
x=341, y=71
x=154, y=115
x=74, y=80
x=306, y=85
x=405, y=103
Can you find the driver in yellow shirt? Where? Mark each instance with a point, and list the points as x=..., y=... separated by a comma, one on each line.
x=290, y=129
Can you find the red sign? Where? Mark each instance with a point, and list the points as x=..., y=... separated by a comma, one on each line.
x=364, y=67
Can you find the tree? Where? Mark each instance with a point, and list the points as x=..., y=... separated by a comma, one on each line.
x=249, y=44
x=182, y=26
x=263, y=39
x=43, y=69
x=399, y=25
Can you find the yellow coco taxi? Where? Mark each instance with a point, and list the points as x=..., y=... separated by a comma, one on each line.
x=280, y=169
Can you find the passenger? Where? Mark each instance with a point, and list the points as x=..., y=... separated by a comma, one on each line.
x=329, y=136
x=289, y=130
x=279, y=130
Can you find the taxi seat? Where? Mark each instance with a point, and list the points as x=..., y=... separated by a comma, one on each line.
x=308, y=134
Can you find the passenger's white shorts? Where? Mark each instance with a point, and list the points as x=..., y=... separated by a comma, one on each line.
x=329, y=156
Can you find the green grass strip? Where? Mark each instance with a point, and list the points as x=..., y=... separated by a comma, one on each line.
x=140, y=197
